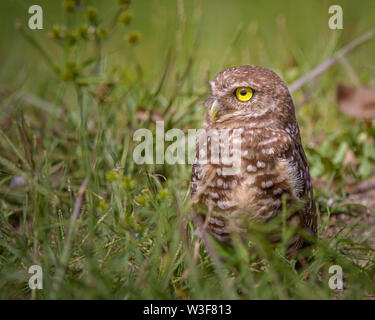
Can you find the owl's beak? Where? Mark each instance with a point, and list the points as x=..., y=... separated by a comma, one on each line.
x=215, y=110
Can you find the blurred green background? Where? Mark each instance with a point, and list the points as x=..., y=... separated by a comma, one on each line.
x=218, y=33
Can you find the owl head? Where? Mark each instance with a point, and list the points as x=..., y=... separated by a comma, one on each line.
x=248, y=92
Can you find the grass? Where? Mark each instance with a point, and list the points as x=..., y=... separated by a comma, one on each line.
x=71, y=97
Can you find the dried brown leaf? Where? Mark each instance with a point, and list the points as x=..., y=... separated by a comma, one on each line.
x=357, y=102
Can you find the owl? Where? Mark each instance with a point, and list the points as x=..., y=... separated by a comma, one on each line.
x=254, y=108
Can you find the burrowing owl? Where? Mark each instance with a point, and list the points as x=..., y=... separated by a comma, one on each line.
x=255, y=103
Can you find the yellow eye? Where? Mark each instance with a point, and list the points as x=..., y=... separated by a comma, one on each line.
x=243, y=94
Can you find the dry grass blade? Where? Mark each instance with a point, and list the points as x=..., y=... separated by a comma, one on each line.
x=71, y=232
x=328, y=63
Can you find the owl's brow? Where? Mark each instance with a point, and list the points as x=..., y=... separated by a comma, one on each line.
x=245, y=84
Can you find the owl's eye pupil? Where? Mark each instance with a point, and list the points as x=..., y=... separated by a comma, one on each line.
x=243, y=94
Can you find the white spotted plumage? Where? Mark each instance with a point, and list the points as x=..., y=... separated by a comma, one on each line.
x=273, y=162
